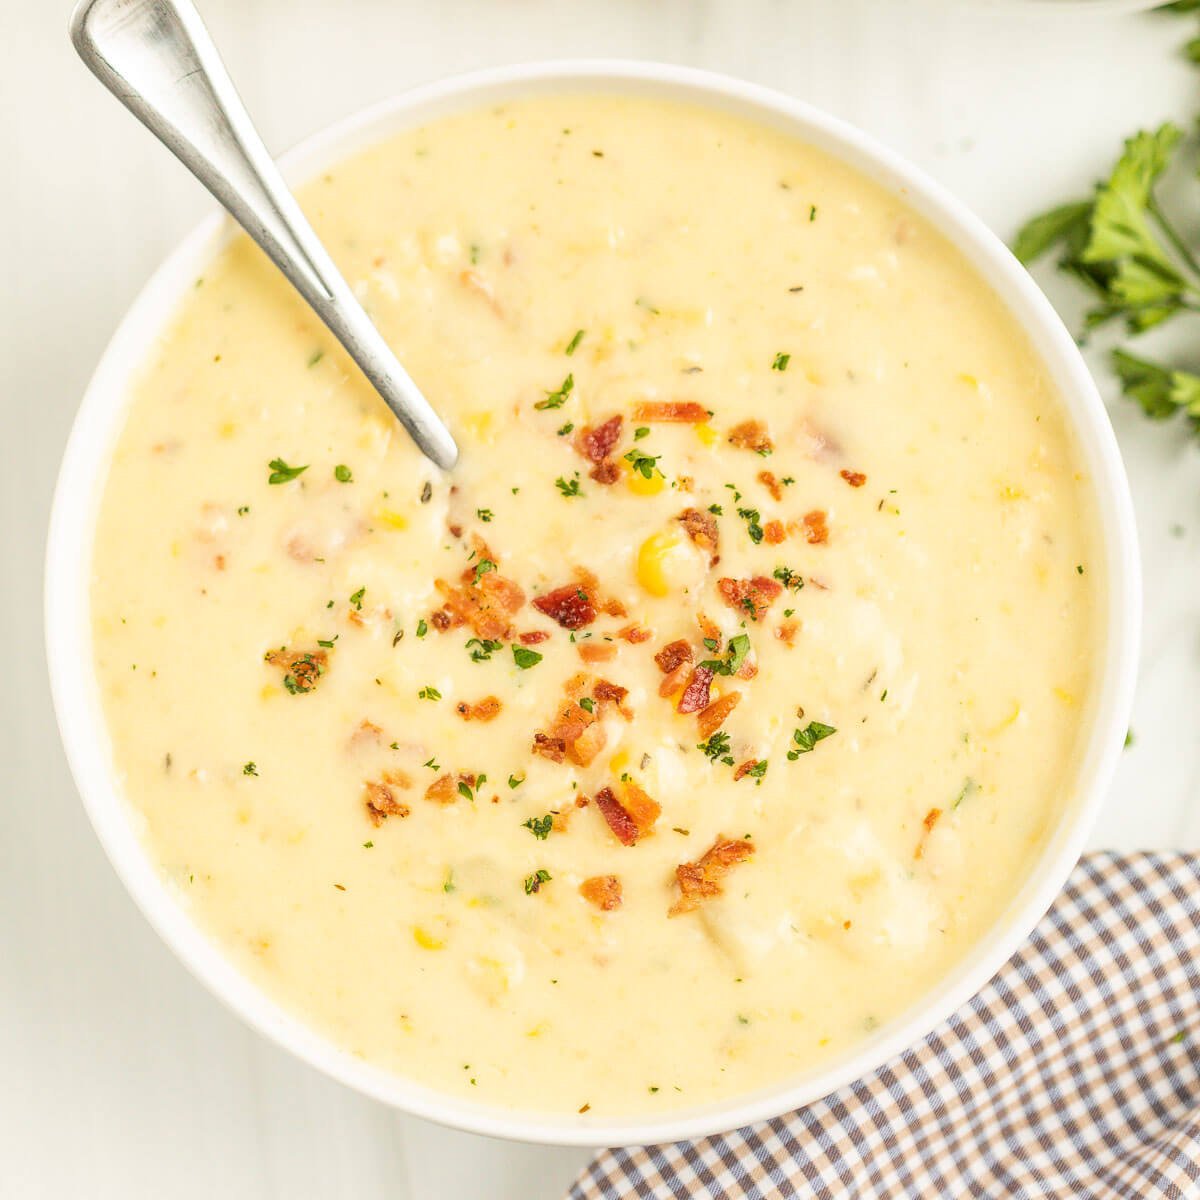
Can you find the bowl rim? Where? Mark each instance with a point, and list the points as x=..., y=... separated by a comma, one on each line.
x=100, y=417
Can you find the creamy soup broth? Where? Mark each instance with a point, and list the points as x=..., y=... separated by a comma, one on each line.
x=398, y=739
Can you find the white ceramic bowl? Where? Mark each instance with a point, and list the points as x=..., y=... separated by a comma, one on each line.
x=68, y=572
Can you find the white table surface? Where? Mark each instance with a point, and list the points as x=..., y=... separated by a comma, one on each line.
x=119, y=1076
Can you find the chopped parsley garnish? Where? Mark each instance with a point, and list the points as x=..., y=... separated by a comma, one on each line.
x=343, y=474
x=422, y=628
x=711, y=645
x=282, y=473
x=515, y=781
x=482, y=567
x=316, y=357
x=482, y=649
x=789, y=578
x=525, y=658
x=968, y=788
x=563, y=430
x=245, y=508
x=539, y=826
x=368, y=845
x=808, y=737
x=757, y=772
x=640, y=432
x=448, y=883
x=812, y=212
x=781, y=362
x=429, y=692
x=484, y=514
x=357, y=598
x=327, y=643
x=573, y=344
x=568, y=488
x=432, y=764
x=716, y=510
x=717, y=748
x=643, y=464
x=752, y=517
x=559, y=398
x=464, y=788
x=250, y=768
x=587, y=704
x=534, y=882
x=735, y=655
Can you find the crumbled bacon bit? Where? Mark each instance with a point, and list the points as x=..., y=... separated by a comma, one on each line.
x=672, y=654
x=695, y=694
x=674, y=680
x=533, y=637
x=381, y=800
x=753, y=596
x=485, y=603
x=596, y=444
x=744, y=768
x=553, y=748
x=611, y=693
x=602, y=603
x=444, y=789
x=854, y=478
x=702, y=879
x=482, y=710
x=587, y=745
x=634, y=634
x=749, y=667
x=569, y=605
x=931, y=818
x=687, y=411
x=768, y=480
x=702, y=528
x=631, y=817
x=710, y=631
x=774, y=532
x=713, y=717
x=366, y=731
x=594, y=652
x=605, y=472
x=786, y=632
x=302, y=668
x=751, y=435
x=604, y=891
x=455, y=529
x=815, y=528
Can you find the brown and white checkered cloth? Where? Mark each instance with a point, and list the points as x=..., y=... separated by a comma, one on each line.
x=1075, y=1072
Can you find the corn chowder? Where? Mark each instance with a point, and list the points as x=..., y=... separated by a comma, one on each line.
x=704, y=715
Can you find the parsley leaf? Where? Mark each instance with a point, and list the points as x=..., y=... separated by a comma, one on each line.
x=525, y=658
x=807, y=738
x=282, y=473
x=569, y=488
x=643, y=464
x=534, y=882
x=558, y=398
x=482, y=649
x=735, y=655
x=573, y=344
x=539, y=826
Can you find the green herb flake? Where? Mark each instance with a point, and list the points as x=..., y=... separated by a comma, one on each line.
x=282, y=473
x=752, y=517
x=807, y=738
x=539, y=826
x=643, y=464
x=316, y=357
x=557, y=398
x=969, y=788
x=515, y=781
x=484, y=514
x=482, y=567
x=422, y=628
x=735, y=655
x=525, y=658
x=790, y=579
x=573, y=344
x=533, y=883
x=250, y=768
x=563, y=430
x=357, y=598
x=343, y=474
x=640, y=432
x=482, y=649
x=429, y=692
x=717, y=749
x=569, y=488
x=781, y=362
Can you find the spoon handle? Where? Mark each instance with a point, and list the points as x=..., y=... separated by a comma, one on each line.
x=157, y=58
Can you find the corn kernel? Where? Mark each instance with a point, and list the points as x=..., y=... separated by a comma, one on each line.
x=639, y=485
x=652, y=562
x=391, y=518
x=426, y=940
x=478, y=425
x=618, y=762
x=706, y=433
x=1066, y=697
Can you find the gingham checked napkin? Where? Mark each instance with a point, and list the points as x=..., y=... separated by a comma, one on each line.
x=1074, y=1073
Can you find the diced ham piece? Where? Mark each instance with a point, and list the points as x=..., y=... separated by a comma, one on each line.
x=702, y=879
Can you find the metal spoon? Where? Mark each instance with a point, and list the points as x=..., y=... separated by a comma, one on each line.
x=157, y=58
